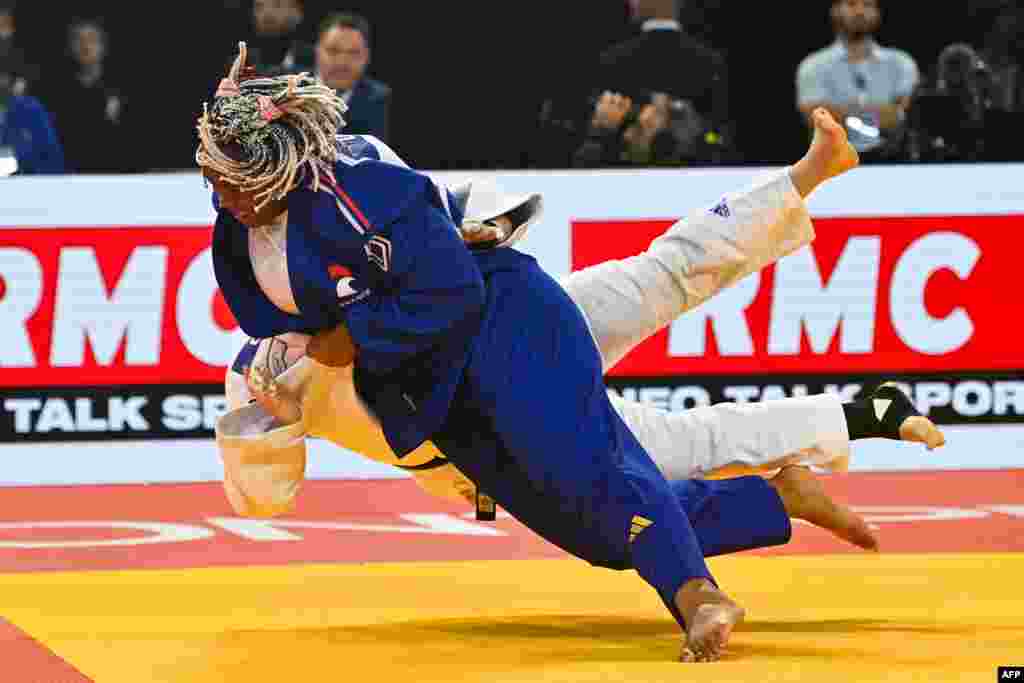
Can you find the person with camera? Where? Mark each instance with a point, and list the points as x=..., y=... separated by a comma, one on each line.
x=665, y=58
x=658, y=132
x=865, y=86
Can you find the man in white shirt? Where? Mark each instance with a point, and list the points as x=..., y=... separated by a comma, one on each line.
x=867, y=87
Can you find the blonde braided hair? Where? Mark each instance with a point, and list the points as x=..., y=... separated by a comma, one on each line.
x=269, y=135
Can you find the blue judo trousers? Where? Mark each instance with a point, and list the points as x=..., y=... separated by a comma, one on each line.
x=532, y=425
x=487, y=356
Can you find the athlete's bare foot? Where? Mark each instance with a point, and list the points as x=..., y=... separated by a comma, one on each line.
x=913, y=427
x=920, y=429
x=830, y=150
x=805, y=498
x=710, y=617
x=829, y=155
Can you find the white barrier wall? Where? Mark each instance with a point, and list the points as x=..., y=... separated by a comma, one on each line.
x=113, y=328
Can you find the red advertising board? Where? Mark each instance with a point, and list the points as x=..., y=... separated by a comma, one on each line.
x=921, y=294
x=111, y=306
x=120, y=332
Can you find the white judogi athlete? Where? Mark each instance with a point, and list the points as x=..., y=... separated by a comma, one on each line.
x=623, y=302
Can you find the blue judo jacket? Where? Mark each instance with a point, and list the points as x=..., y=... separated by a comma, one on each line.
x=381, y=254
x=25, y=126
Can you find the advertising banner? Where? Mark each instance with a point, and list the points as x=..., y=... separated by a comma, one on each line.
x=923, y=300
x=111, y=333
x=113, y=328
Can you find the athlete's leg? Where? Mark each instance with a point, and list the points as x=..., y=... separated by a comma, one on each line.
x=625, y=301
x=565, y=449
x=808, y=430
x=730, y=438
x=628, y=300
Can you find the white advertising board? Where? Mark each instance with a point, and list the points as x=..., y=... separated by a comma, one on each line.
x=114, y=330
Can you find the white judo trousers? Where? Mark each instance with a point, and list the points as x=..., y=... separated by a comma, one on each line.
x=628, y=300
x=624, y=302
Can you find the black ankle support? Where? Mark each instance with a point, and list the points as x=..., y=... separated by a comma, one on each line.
x=863, y=423
x=899, y=410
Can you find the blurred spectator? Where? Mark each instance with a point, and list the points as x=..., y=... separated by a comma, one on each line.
x=277, y=43
x=947, y=122
x=342, y=55
x=660, y=132
x=26, y=129
x=11, y=53
x=966, y=111
x=1004, y=53
x=87, y=109
x=665, y=59
x=866, y=86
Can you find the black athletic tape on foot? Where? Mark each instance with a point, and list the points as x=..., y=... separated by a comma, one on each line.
x=899, y=410
x=861, y=422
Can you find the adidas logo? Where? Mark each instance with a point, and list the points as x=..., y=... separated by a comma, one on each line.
x=721, y=209
x=637, y=525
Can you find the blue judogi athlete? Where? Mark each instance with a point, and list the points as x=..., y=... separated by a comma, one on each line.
x=417, y=310
x=483, y=353
x=551, y=451
x=557, y=456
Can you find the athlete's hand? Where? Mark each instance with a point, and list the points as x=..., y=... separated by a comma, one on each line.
x=273, y=357
x=492, y=232
x=333, y=348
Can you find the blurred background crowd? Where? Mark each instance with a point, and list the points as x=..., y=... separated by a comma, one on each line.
x=109, y=87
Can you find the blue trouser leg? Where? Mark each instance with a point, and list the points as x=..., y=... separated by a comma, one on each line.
x=533, y=426
x=731, y=515
x=726, y=516
x=565, y=463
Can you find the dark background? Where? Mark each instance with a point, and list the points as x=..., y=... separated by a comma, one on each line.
x=469, y=77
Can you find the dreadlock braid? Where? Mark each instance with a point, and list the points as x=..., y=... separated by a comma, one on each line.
x=268, y=135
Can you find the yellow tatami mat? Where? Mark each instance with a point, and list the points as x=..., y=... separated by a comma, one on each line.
x=837, y=618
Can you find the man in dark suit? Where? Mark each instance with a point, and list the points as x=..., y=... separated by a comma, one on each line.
x=664, y=58
x=278, y=43
x=342, y=55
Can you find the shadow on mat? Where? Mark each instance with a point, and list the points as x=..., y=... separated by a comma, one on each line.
x=550, y=626
x=857, y=626
x=536, y=638
x=554, y=626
